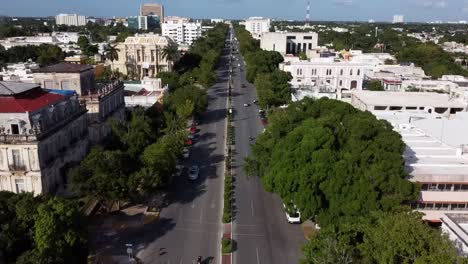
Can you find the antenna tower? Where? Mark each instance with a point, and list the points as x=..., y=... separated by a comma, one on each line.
x=308, y=13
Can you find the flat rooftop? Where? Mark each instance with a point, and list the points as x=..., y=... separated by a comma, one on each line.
x=428, y=155
x=407, y=99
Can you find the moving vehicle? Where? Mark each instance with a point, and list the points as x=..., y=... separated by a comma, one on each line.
x=193, y=172
x=255, y=101
x=246, y=104
x=292, y=214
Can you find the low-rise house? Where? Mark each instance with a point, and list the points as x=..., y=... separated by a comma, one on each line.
x=145, y=93
x=289, y=42
x=42, y=133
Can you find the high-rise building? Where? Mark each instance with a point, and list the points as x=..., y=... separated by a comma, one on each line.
x=152, y=9
x=257, y=25
x=70, y=20
x=398, y=19
x=182, y=33
x=144, y=22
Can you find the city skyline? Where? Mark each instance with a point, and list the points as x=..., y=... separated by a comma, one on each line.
x=334, y=10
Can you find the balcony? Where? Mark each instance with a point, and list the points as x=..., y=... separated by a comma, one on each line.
x=17, y=167
x=102, y=90
x=13, y=139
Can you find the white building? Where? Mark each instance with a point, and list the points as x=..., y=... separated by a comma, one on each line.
x=398, y=19
x=146, y=93
x=70, y=20
x=182, y=33
x=257, y=25
x=456, y=227
x=336, y=76
x=417, y=103
x=176, y=20
x=217, y=20
x=289, y=42
x=141, y=55
x=435, y=158
x=19, y=72
x=42, y=134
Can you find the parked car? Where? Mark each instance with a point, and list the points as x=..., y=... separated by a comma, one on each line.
x=246, y=104
x=243, y=85
x=292, y=214
x=186, y=153
x=193, y=172
x=193, y=129
x=189, y=142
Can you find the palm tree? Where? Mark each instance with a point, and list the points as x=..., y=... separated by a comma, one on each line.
x=170, y=52
x=112, y=53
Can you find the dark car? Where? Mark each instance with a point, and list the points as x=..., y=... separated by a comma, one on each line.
x=243, y=85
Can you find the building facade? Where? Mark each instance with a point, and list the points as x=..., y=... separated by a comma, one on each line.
x=42, y=134
x=152, y=9
x=335, y=76
x=398, y=19
x=103, y=101
x=182, y=33
x=70, y=20
x=151, y=22
x=289, y=42
x=140, y=56
x=257, y=25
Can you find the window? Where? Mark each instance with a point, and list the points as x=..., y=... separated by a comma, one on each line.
x=307, y=37
x=341, y=82
x=341, y=72
x=358, y=72
x=351, y=72
x=48, y=84
x=66, y=85
x=310, y=46
x=14, y=129
x=17, y=160
x=290, y=37
x=274, y=47
x=20, y=186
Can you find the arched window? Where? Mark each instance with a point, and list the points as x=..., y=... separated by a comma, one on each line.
x=351, y=72
x=358, y=72
x=341, y=72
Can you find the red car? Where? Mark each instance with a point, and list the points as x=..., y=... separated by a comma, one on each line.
x=193, y=129
x=189, y=142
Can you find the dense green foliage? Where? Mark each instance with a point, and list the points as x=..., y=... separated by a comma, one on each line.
x=40, y=230
x=344, y=169
x=272, y=84
x=332, y=161
x=273, y=88
x=44, y=54
x=374, y=85
x=139, y=157
x=383, y=237
x=196, y=67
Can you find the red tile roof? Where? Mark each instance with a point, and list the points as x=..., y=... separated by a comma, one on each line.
x=29, y=101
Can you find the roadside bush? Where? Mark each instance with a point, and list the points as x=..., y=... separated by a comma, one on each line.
x=226, y=245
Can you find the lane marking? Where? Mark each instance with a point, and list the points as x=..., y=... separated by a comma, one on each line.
x=212, y=204
x=201, y=214
x=258, y=257
x=251, y=206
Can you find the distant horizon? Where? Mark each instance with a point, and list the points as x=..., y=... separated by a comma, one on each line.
x=275, y=19
x=332, y=10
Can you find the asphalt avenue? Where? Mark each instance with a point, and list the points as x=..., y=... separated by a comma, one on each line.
x=260, y=228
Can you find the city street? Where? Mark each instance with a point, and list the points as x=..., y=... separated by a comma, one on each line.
x=190, y=226
x=260, y=228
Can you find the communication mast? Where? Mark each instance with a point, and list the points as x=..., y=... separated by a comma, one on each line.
x=308, y=13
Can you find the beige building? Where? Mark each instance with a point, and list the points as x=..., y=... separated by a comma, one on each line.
x=103, y=101
x=152, y=9
x=42, y=134
x=141, y=55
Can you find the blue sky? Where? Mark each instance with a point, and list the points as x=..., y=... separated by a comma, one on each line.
x=379, y=10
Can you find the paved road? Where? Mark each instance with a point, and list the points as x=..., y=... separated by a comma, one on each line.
x=260, y=228
x=190, y=226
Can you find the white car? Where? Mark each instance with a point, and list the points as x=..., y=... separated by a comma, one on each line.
x=246, y=105
x=193, y=172
x=292, y=215
x=186, y=153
